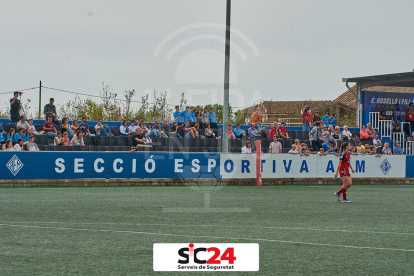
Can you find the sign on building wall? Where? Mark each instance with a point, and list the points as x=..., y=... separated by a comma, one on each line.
x=388, y=102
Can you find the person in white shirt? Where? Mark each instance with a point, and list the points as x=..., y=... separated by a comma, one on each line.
x=377, y=143
x=293, y=150
x=22, y=123
x=19, y=145
x=31, y=146
x=132, y=128
x=247, y=148
x=124, y=128
x=346, y=134
x=77, y=139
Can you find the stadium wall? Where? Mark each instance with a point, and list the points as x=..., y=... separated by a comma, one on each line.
x=156, y=169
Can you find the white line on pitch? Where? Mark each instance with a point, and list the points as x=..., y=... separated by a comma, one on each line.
x=223, y=226
x=209, y=237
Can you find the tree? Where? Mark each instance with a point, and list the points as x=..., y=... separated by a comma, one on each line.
x=183, y=101
x=127, y=110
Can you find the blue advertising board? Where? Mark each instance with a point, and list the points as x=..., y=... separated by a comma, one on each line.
x=117, y=165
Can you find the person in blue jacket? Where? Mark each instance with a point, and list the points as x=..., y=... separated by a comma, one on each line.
x=326, y=120
x=213, y=118
x=178, y=115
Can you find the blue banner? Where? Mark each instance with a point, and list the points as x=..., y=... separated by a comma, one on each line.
x=388, y=102
x=92, y=165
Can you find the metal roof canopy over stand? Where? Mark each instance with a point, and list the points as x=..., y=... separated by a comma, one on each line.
x=397, y=80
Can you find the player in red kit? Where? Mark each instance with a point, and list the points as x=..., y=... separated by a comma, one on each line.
x=343, y=170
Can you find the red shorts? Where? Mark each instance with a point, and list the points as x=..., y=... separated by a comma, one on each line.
x=344, y=172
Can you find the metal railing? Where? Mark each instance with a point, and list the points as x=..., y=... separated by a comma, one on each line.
x=374, y=120
x=385, y=127
x=398, y=137
x=409, y=148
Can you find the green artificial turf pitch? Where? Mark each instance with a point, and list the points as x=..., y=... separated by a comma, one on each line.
x=300, y=229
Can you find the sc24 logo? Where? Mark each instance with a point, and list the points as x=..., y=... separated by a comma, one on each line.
x=228, y=255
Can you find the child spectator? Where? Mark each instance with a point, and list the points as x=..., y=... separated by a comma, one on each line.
x=2, y=140
x=293, y=150
x=304, y=150
x=147, y=138
x=58, y=139
x=238, y=132
x=322, y=152
x=247, y=148
x=375, y=152
x=206, y=117
x=209, y=132
x=199, y=117
x=132, y=128
x=213, y=118
x=333, y=120
x=11, y=136
x=230, y=133
x=32, y=128
x=326, y=120
x=65, y=139
x=331, y=150
x=177, y=115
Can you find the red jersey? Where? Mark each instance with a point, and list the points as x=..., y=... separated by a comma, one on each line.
x=409, y=115
x=282, y=131
x=345, y=158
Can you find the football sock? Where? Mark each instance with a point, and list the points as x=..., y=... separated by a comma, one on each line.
x=340, y=191
x=343, y=193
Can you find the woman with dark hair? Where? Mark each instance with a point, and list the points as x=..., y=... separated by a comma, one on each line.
x=77, y=139
x=8, y=146
x=66, y=127
x=11, y=136
x=343, y=170
x=124, y=128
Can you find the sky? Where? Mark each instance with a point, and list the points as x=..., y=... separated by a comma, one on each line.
x=281, y=50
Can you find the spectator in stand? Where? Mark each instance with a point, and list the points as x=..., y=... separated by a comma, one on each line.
x=1, y=128
x=213, y=118
x=273, y=130
x=325, y=130
x=315, y=137
x=158, y=128
x=66, y=127
x=282, y=130
x=326, y=120
x=32, y=128
x=238, y=132
x=11, y=136
x=293, y=150
x=186, y=128
x=386, y=150
x=297, y=144
x=409, y=117
x=377, y=143
x=19, y=145
x=396, y=129
x=252, y=132
x=363, y=134
x=275, y=146
x=124, y=128
x=205, y=117
x=148, y=141
x=50, y=110
x=395, y=121
x=327, y=140
x=360, y=146
x=8, y=146
x=397, y=149
x=84, y=126
x=138, y=139
x=49, y=127
x=199, y=117
x=26, y=136
x=77, y=139
x=186, y=114
x=174, y=130
x=316, y=119
x=74, y=127
x=192, y=132
x=31, y=146
x=21, y=135
x=153, y=132
x=322, y=152
x=306, y=113
x=192, y=117
x=132, y=128
x=166, y=127
x=337, y=133
x=178, y=115
x=371, y=132
x=65, y=139
x=247, y=148
x=57, y=141
x=141, y=125
x=22, y=123
x=230, y=133
x=375, y=152
x=305, y=151
x=346, y=134
x=331, y=150
x=209, y=132
x=333, y=120
x=256, y=118
x=102, y=130
x=15, y=107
